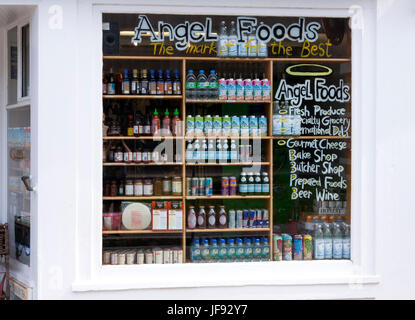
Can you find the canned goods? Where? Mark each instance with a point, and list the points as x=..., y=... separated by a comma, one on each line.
x=149, y=257
x=286, y=247
x=252, y=215
x=307, y=247
x=188, y=186
x=245, y=217
x=201, y=187
x=232, y=219
x=158, y=256
x=114, y=258
x=233, y=184
x=258, y=218
x=167, y=256
x=239, y=219
x=130, y=257
x=140, y=257
x=298, y=247
x=225, y=186
x=195, y=186
x=265, y=218
x=277, y=247
x=121, y=258
x=209, y=186
x=106, y=257
x=177, y=255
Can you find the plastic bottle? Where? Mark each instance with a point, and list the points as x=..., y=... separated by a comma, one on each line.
x=176, y=125
x=258, y=184
x=204, y=251
x=247, y=249
x=168, y=84
x=256, y=250
x=196, y=150
x=126, y=82
x=195, y=251
x=328, y=242
x=346, y=242
x=231, y=250
x=202, y=85
x=265, y=250
x=155, y=124
x=211, y=151
x=223, y=251
x=211, y=218
x=190, y=85
x=152, y=84
x=166, y=124
x=191, y=218
x=160, y=83
x=214, y=250
x=243, y=184
x=262, y=48
x=232, y=41
x=177, y=86
x=222, y=218
x=265, y=183
x=252, y=44
x=318, y=243
x=337, y=242
x=239, y=250
x=251, y=184
x=189, y=151
x=223, y=40
x=213, y=91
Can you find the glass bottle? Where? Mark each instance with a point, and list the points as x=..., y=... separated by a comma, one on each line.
x=243, y=184
x=135, y=83
x=126, y=82
x=144, y=82
x=222, y=218
x=318, y=243
x=201, y=218
x=211, y=218
x=191, y=218
x=328, y=242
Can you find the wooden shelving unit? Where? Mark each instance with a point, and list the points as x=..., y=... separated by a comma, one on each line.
x=267, y=140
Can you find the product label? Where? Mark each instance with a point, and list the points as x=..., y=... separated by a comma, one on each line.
x=212, y=220
x=337, y=248
x=319, y=249
x=346, y=249
x=328, y=248
x=190, y=85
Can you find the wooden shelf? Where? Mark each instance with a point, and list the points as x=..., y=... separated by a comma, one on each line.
x=229, y=164
x=155, y=138
x=228, y=230
x=139, y=164
x=143, y=198
x=310, y=137
x=216, y=197
x=224, y=101
x=131, y=96
x=229, y=137
x=141, y=231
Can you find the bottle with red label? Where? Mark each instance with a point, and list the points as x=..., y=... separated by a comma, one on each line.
x=166, y=124
x=176, y=125
x=223, y=221
x=155, y=124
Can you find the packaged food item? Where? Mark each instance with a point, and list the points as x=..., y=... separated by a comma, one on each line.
x=175, y=215
x=159, y=214
x=136, y=215
x=112, y=221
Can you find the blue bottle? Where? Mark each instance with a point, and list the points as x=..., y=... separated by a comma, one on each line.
x=195, y=251
x=222, y=250
x=231, y=250
x=239, y=250
x=213, y=250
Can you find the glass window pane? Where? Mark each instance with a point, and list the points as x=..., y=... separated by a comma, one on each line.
x=12, y=62
x=26, y=61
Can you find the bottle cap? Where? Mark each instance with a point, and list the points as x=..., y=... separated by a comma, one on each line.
x=176, y=112
x=212, y=71
x=155, y=111
x=202, y=71
x=166, y=113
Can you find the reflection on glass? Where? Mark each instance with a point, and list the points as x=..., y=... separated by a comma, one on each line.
x=12, y=66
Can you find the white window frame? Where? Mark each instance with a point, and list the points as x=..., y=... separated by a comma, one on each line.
x=91, y=275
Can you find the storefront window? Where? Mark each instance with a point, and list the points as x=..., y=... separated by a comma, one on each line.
x=225, y=139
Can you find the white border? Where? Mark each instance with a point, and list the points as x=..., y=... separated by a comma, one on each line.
x=92, y=276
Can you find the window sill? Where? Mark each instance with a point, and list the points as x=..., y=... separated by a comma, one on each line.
x=293, y=273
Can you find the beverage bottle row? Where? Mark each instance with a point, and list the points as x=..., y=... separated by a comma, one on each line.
x=226, y=126
x=331, y=242
x=230, y=250
x=220, y=219
x=228, y=45
x=147, y=125
x=136, y=83
x=221, y=151
x=121, y=153
x=286, y=120
x=249, y=88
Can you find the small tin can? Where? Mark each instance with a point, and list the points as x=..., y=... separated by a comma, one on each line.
x=286, y=247
x=277, y=247
x=167, y=256
x=130, y=255
x=201, y=187
x=114, y=257
x=106, y=257
x=265, y=218
x=188, y=186
x=232, y=219
x=158, y=256
x=209, y=186
x=298, y=247
x=239, y=219
x=225, y=186
x=140, y=257
x=258, y=218
x=177, y=255
x=195, y=186
x=245, y=217
x=233, y=185
x=121, y=257
x=149, y=257
x=252, y=216
x=307, y=247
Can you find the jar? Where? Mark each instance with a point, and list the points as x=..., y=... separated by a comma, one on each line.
x=129, y=188
x=158, y=187
x=148, y=187
x=166, y=186
x=138, y=188
x=155, y=156
x=176, y=187
x=113, y=189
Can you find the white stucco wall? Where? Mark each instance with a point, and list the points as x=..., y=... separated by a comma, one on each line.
x=64, y=122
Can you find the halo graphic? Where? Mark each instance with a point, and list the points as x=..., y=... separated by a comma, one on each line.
x=281, y=142
x=328, y=71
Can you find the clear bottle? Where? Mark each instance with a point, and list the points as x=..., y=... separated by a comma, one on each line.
x=211, y=150
x=204, y=251
x=337, y=242
x=190, y=85
x=233, y=154
x=318, y=242
x=223, y=251
x=328, y=242
x=203, y=150
x=256, y=250
x=222, y=218
x=195, y=251
x=262, y=48
x=252, y=44
x=346, y=242
x=201, y=218
x=265, y=250
x=225, y=151
x=219, y=151
x=231, y=250
x=189, y=151
x=202, y=85
x=214, y=250
x=213, y=91
x=177, y=85
x=211, y=218
x=239, y=250
x=232, y=41
x=265, y=183
x=247, y=249
x=222, y=41
x=196, y=150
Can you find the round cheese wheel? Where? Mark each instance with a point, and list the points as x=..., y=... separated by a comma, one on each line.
x=136, y=216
